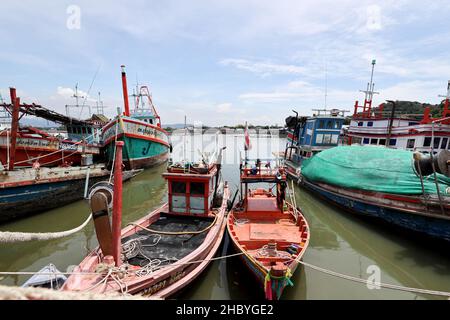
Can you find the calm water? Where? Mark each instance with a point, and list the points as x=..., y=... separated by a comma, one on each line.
x=339, y=241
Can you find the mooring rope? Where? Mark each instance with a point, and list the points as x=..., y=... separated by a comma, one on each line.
x=11, y=237
x=320, y=269
x=379, y=284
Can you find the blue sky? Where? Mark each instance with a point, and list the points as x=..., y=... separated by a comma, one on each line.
x=226, y=62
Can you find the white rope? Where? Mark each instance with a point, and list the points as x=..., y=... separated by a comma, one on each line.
x=241, y=222
x=8, y=237
x=382, y=285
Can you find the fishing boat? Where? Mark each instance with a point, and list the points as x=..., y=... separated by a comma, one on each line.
x=164, y=251
x=308, y=136
x=399, y=187
x=28, y=146
x=146, y=142
x=269, y=231
x=413, y=132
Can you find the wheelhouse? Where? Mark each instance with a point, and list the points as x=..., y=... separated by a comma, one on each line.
x=191, y=189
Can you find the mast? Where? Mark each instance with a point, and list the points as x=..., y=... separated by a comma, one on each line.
x=369, y=92
x=125, y=92
x=446, y=111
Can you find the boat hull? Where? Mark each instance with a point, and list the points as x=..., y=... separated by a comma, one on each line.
x=47, y=152
x=145, y=145
x=260, y=225
x=28, y=191
x=412, y=219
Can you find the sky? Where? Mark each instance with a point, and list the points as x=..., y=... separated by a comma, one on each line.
x=225, y=62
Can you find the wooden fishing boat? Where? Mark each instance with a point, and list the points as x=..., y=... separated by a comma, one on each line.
x=167, y=249
x=146, y=143
x=269, y=231
x=28, y=146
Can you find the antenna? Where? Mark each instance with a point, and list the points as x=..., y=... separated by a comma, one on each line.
x=441, y=96
x=370, y=86
x=100, y=106
x=326, y=84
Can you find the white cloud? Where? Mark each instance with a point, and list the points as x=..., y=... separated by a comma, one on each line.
x=66, y=93
x=224, y=108
x=264, y=68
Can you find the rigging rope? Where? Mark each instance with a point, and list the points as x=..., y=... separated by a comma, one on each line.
x=172, y=233
x=326, y=271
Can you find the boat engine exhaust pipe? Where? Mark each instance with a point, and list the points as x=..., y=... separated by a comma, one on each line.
x=424, y=164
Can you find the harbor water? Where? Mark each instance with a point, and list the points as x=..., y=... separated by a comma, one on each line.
x=340, y=241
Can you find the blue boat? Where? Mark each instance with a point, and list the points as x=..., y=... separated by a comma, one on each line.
x=24, y=192
x=308, y=136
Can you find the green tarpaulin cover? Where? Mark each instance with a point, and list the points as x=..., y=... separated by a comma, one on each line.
x=371, y=168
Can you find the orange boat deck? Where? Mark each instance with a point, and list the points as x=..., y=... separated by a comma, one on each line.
x=264, y=222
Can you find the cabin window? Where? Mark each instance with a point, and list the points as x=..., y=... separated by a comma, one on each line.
x=337, y=124
x=374, y=141
x=427, y=142
x=382, y=142
x=444, y=143
x=370, y=124
x=150, y=121
x=319, y=138
x=334, y=138
x=392, y=142
x=178, y=187
x=410, y=144
x=83, y=130
x=366, y=141
x=321, y=124
x=197, y=188
x=329, y=124
x=326, y=138
x=436, y=143
x=360, y=124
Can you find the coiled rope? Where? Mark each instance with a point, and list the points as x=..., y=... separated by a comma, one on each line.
x=11, y=237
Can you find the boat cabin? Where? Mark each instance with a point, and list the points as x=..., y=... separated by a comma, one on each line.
x=310, y=135
x=191, y=188
x=144, y=109
x=260, y=199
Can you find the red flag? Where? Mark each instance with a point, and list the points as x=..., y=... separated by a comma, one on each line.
x=247, y=145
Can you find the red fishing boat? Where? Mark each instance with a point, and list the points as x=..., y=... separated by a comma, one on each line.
x=269, y=231
x=28, y=146
x=167, y=249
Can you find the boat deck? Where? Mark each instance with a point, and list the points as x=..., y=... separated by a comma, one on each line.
x=168, y=248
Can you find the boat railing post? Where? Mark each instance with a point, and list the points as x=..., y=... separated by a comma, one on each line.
x=117, y=204
x=15, y=102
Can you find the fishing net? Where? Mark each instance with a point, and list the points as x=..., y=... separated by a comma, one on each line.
x=371, y=168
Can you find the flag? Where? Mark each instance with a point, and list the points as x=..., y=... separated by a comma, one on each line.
x=247, y=145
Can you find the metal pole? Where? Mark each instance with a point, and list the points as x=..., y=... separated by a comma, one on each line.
x=15, y=101
x=125, y=91
x=391, y=121
x=117, y=205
